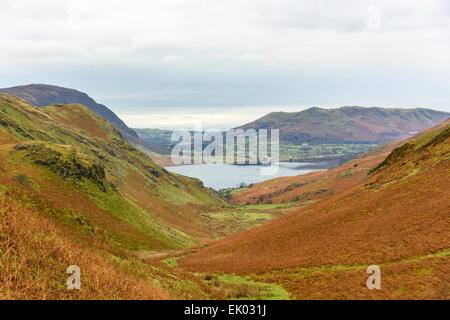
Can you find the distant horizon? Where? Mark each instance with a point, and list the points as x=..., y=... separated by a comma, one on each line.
x=217, y=118
x=173, y=121
x=200, y=58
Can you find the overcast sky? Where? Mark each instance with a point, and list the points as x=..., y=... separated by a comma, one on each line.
x=166, y=63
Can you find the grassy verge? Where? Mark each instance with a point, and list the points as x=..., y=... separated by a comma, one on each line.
x=240, y=288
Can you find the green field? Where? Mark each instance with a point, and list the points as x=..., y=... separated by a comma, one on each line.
x=288, y=152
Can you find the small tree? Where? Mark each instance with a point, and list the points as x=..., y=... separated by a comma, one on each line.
x=242, y=185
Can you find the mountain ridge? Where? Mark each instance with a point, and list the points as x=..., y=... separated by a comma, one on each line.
x=42, y=95
x=348, y=124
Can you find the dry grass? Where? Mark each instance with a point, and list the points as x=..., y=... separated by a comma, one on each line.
x=232, y=290
x=34, y=255
x=425, y=278
x=75, y=115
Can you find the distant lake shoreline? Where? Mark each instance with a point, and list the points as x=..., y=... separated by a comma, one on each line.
x=221, y=176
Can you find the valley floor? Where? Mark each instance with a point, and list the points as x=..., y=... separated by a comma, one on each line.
x=392, y=213
x=73, y=192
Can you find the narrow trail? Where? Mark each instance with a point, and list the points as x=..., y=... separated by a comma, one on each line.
x=203, y=210
x=150, y=255
x=155, y=254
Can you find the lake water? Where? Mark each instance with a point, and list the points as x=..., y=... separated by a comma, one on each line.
x=220, y=176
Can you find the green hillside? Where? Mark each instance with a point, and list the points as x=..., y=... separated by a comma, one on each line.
x=42, y=95
x=68, y=145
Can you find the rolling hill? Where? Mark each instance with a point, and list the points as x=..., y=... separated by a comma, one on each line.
x=42, y=95
x=73, y=191
x=318, y=135
x=397, y=218
x=81, y=147
x=348, y=124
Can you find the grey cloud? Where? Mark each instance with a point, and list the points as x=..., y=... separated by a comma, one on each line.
x=144, y=55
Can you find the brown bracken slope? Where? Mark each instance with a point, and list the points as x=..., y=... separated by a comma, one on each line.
x=397, y=218
x=315, y=185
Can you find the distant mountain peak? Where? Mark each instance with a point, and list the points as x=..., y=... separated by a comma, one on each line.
x=348, y=124
x=42, y=95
